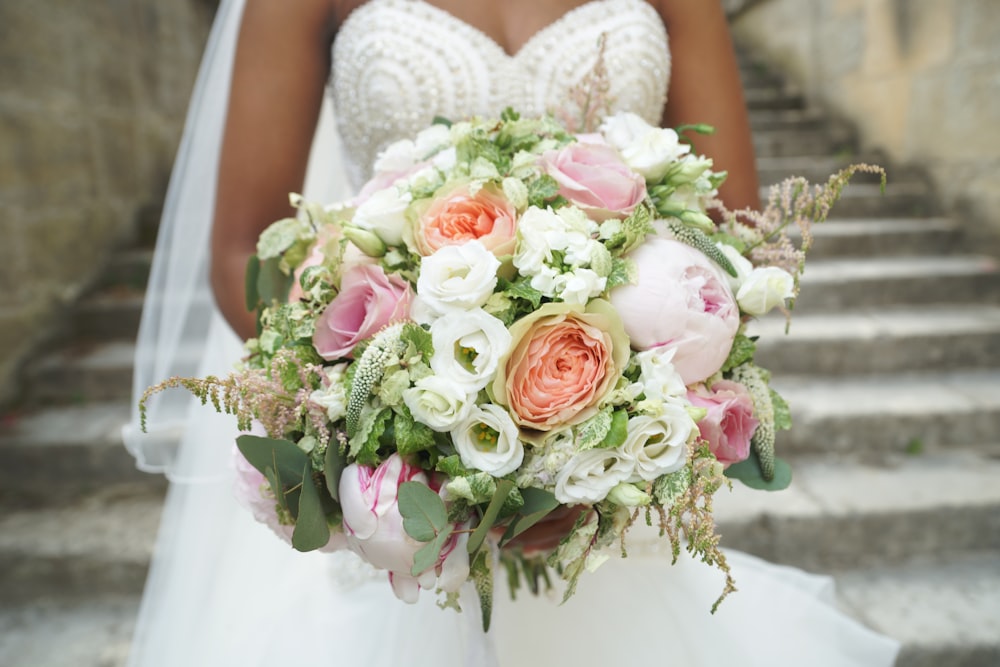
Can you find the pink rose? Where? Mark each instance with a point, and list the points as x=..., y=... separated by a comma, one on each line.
x=681, y=302
x=594, y=177
x=253, y=492
x=456, y=217
x=563, y=363
x=730, y=423
x=374, y=529
x=368, y=300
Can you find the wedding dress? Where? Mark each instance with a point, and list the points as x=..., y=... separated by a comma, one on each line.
x=223, y=590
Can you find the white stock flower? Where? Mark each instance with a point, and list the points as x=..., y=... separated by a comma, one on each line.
x=332, y=396
x=468, y=346
x=647, y=149
x=488, y=440
x=656, y=444
x=457, y=277
x=765, y=288
x=537, y=229
x=398, y=156
x=590, y=475
x=659, y=379
x=438, y=402
x=384, y=214
x=580, y=285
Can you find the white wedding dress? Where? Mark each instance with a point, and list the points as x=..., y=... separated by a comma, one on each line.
x=223, y=590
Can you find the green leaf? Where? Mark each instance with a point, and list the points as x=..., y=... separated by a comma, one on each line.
x=592, y=432
x=283, y=456
x=668, y=488
x=617, y=432
x=333, y=464
x=740, y=353
x=750, y=473
x=481, y=574
x=250, y=283
x=504, y=487
x=311, y=530
x=623, y=272
x=423, y=511
x=365, y=443
x=411, y=435
x=537, y=505
x=273, y=285
x=427, y=556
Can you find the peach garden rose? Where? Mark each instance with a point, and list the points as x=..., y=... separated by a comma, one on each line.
x=458, y=216
x=564, y=361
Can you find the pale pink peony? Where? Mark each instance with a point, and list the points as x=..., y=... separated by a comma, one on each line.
x=730, y=423
x=374, y=529
x=456, y=217
x=594, y=177
x=368, y=300
x=563, y=363
x=681, y=302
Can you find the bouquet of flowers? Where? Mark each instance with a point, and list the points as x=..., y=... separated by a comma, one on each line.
x=510, y=319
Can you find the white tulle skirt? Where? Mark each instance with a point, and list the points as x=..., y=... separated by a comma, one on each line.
x=224, y=590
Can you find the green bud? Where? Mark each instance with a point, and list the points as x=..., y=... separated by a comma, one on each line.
x=628, y=495
x=367, y=242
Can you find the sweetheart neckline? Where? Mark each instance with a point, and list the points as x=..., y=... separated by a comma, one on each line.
x=489, y=39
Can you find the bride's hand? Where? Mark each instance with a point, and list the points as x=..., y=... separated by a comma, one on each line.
x=547, y=533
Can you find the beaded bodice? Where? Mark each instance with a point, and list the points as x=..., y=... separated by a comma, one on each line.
x=399, y=63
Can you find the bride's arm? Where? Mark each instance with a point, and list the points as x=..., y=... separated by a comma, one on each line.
x=705, y=87
x=282, y=63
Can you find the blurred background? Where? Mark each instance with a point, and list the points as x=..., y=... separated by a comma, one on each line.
x=892, y=364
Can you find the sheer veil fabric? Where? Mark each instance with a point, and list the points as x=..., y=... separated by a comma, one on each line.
x=223, y=590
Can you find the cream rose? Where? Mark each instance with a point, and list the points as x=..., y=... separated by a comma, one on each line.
x=589, y=476
x=656, y=443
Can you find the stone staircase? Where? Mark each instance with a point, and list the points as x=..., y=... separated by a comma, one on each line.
x=892, y=368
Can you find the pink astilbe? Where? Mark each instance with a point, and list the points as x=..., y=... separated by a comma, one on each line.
x=589, y=99
x=277, y=396
x=796, y=202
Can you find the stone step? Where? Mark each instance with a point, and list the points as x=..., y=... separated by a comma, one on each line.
x=770, y=119
x=129, y=268
x=943, y=613
x=98, y=372
x=842, y=515
x=834, y=285
x=111, y=314
x=792, y=142
x=818, y=168
x=57, y=454
x=773, y=98
x=880, y=341
x=891, y=413
x=863, y=237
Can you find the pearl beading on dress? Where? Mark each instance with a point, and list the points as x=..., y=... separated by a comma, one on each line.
x=399, y=63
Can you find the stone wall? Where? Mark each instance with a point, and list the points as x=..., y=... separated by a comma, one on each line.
x=921, y=78
x=92, y=100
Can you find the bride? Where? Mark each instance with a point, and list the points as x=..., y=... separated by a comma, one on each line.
x=222, y=589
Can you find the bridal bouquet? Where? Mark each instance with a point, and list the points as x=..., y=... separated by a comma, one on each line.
x=510, y=319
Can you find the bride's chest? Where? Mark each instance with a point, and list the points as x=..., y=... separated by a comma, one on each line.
x=399, y=63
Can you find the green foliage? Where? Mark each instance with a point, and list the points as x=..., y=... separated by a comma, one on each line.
x=537, y=505
x=283, y=456
x=782, y=413
x=740, y=353
x=504, y=488
x=424, y=513
x=411, y=436
x=311, y=530
x=667, y=489
x=334, y=463
x=750, y=473
x=365, y=443
x=481, y=573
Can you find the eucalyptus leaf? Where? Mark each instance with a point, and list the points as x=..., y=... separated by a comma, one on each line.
x=537, y=505
x=250, y=284
x=283, y=456
x=311, y=530
x=333, y=465
x=504, y=487
x=424, y=513
x=750, y=473
x=427, y=556
x=273, y=285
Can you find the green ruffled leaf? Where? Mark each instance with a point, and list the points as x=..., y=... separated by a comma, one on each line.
x=411, y=436
x=424, y=513
x=311, y=530
x=668, y=488
x=366, y=441
x=623, y=272
x=782, y=413
x=740, y=353
x=749, y=472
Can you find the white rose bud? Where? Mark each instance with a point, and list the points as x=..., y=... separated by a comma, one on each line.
x=385, y=214
x=765, y=288
x=457, y=277
x=627, y=495
x=438, y=402
x=657, y=444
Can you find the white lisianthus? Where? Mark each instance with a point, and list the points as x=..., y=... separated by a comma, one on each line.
x=384, y=214
x=765, y=288
x=659, y=379
x=647, y=149
x=488, y=440
x=656, y=444
x=457, y=277
x=438, y=402
x=468, y=346
x=590, y=475
x=332, y=396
